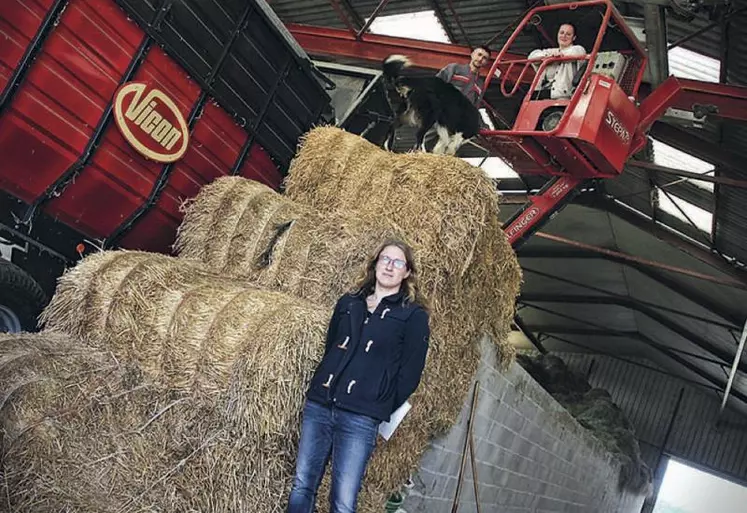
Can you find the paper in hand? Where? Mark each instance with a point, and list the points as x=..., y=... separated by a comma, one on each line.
x=386, y=429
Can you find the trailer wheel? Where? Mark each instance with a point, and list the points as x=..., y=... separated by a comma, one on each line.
x=21, y=299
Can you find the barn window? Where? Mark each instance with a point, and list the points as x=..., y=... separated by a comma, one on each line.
x=422, y=25
x=667, y=156
x=700, y=217
x=685, y=63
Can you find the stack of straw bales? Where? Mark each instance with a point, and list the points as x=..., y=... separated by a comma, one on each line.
x=353, y=196
x=223, y=339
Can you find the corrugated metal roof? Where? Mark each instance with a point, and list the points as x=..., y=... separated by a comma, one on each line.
x=736, y=56
x=685, y=63
x=482, y=20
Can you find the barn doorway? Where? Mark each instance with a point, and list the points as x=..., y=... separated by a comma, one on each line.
x=686, y=489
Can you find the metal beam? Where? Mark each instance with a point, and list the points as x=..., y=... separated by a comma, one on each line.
x=701, y=98
x=690, y=292
x=372, y=18
x=734, y=367
x=612, y=298
x=619, y=256
x=606, y=332
x=458, y=21
x=347, y=15
x=631, y=362
x=724, y=51
x=441, y=16
x=733, y=269
x=374, y=48
x=742, y=184
x=721, y=21
x=697, y=146
x=697, y=340
x=612, y=332
x=656, y=42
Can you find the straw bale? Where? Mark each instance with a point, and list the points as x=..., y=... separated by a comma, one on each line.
x=446, y=209
x=85, y=431
x=183, y=325
x=274, y=242
x=439, y=201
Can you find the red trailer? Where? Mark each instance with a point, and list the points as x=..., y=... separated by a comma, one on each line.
x=112, y=113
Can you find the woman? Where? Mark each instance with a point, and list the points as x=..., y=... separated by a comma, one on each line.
x=374, y=356
x=557, y=82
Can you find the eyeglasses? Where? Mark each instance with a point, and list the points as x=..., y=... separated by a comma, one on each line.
x=396, y=262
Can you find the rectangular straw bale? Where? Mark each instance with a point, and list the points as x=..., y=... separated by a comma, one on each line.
x=277, y=243
x=183, y=325
x=85, y=431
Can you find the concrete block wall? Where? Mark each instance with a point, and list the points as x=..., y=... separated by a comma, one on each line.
x=532, y=456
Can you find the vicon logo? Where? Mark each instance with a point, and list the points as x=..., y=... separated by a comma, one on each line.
x=151, y=122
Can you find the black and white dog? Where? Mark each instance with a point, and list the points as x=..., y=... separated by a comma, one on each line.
x=423, y=102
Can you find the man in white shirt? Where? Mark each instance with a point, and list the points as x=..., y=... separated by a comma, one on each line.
x=557, y=82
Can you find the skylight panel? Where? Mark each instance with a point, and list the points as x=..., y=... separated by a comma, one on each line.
x=701, y=218
x=422, y=25
x=685, y=63
x=494, y=167
x=667, y=156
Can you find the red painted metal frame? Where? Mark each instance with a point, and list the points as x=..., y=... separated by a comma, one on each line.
x=504, y=58
x=538, y=208
x=331, y=42
x=728, y=102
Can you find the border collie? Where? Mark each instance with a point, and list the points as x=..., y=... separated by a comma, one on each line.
x=422, y=102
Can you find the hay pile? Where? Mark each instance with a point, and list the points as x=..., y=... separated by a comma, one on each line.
x=446, y=208
x=220, y=376
x=244, y=229
x=216, y=365
x=348, y=196
x=86, y=431
x=594, y=409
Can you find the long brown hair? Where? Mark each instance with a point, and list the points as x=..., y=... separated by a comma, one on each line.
x=366, y=282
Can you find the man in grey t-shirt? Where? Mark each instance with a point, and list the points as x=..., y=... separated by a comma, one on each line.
x=466, y=77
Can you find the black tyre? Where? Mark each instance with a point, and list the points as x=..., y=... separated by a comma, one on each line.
x=21, y=299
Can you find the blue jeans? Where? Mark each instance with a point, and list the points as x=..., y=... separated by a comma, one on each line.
x=349, y=438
